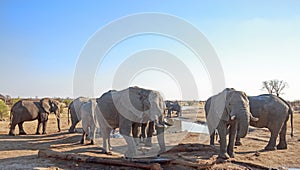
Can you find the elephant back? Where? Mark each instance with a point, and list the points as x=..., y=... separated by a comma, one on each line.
x=27, y=108
x=106, y=107
x=77, y=104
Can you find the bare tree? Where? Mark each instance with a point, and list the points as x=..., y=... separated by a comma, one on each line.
x=274, y=86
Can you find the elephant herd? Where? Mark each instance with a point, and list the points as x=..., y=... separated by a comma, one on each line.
x=229, y=112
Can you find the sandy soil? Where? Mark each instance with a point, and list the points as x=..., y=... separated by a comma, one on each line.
x=21, y=152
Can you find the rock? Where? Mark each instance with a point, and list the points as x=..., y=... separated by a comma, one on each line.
x=257, y=153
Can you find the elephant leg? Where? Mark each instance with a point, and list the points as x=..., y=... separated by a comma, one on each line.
x=282, y=138
x=143, y=132
x=72, y=128
x=83, y=137
x=125, y=130
x=150, y=131
x=274, y=129
x=222, y=130
x=212, y=138
x=38, y=127
x=88, y=133
x=232, y=136
x=238, y=141
x=21, y=129
x=161, y=138
x=93, y=131
x=105, y=132
x=135, y=132
x=169, y=113
x=12, y=129
x=44, y=127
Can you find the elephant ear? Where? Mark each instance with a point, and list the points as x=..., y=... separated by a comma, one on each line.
x=144, y=97
x=157, y=105
x=217, y=110
x=127, y=103
x=45, y=103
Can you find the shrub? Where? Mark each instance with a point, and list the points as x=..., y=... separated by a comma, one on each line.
x=67, y=102
x=15, y=100
x=190, y=103
x=3, y=109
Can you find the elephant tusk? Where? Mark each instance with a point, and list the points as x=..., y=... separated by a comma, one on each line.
x=232, y=117
x=168, y=124
x=253, y=119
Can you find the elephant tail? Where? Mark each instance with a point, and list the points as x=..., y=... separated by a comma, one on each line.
x=291, y=113
x=10, y=116
x=68, y=115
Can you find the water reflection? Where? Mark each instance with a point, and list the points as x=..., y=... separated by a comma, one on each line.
x=181, y=125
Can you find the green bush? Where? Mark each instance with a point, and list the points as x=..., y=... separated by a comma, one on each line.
x=190, y=103
x=67, y=102
x=3, y=109
x=15, y=100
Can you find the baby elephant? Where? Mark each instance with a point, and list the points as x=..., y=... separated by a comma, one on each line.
x=89, y=122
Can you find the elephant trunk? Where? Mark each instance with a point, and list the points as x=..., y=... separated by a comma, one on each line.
x=160, y=135
x=243, y=125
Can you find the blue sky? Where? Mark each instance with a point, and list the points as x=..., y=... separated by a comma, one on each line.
x=41, y=41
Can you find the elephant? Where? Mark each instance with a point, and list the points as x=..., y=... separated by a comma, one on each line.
x=89, y=121
x=225, y=112
x=273, y=113
x=122, y=109
x=173, y=107
x=28, y=110
x=74, y=111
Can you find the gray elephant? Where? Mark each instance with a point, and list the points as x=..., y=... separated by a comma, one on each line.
x=74, y=111
x=273, y=113
x=122, y=109
x=170, y=106
x=224, y=112
x=89, y=121
x=28, y=110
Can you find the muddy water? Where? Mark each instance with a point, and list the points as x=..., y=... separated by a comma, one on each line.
x=179, y=125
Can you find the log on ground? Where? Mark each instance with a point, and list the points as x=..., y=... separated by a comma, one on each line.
x=47, y=153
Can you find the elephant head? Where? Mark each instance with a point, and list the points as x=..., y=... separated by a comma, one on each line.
x=138, y=104
x=227, y=106
x=237, y=107
x=152, y=104
x=51, y=106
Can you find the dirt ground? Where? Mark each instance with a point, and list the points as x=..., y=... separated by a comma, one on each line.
x=21, y=152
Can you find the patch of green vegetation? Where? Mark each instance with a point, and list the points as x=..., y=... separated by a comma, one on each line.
x=3, y=109
x=15, y=100
x=67, y=102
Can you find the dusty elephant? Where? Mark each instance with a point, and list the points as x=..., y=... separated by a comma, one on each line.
x=28, y=110
x=170, y=106
x=273, y=113
x=121, y=109
x=89, y=121
x=224, y=112
x=74, y=112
